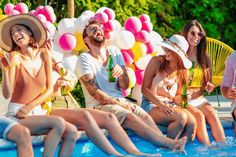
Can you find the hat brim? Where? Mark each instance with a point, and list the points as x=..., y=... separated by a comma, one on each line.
x=186, y=62
x=28, y=20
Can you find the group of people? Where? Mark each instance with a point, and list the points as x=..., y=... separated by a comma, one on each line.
x=28, y=69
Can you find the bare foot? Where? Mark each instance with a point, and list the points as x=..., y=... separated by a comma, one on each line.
x=180, y=145
x=145, y=154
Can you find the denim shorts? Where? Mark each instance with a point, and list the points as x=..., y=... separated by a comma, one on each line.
x=6, y=125
x=147, y=105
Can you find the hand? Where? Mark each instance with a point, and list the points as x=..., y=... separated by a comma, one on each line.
x=209, y=87
x=49, y=45
x=4, y=60
x=177, y=99
x=62, y=82
x=23, y=112
x=231, y=93
x=117, y=71
x=167, y=109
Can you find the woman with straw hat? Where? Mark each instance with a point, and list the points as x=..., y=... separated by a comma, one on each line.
x=28, y=82
x=162, y=86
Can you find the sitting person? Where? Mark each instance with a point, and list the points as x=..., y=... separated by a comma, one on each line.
x=64, y=105
x=162, y=86
x=228, y=86
x=107, y=96
x=24, y=79
x=200, y=81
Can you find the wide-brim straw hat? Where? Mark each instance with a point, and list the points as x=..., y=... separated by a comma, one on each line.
x=28, y=20
x=179, y=45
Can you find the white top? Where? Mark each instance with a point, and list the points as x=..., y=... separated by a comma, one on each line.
x=87, y=64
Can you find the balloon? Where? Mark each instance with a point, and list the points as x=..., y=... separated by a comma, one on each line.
x=32, y=12
x=128, y=56
x=143, y=62
x=137, y=94
x=110, y=25
x=8, y=8
x=88, y=13
x=139, y=50
x=147, y=26
x=156, y=39
x=21, y=7
x=125, y=39
x=107, y=34
x=2, y=17
x=57, y=54
x=133, y=24
x=101, y=17
x=81, y=22
x=70, y=62
x=132, y=77
x=49, y=14
x=101, y=9
x=14, y=12
x=110, y=13
x=66, y=25
x=50, y=27
x=144, y=17
x=117, y=25
x=67, y=41
x=139, y=76
x=41, y=17
x=126, y=92
x=150, y=47
x=142, y=36
x=79, y=42
x=38, y=10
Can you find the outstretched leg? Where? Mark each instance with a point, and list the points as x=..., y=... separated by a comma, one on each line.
x=83, y=120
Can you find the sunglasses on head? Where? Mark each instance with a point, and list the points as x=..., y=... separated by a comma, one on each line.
x=199, y=34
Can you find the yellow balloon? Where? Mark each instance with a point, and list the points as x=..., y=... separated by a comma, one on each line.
x=79, y=42
x=155, y=53
x=2, y=17
x=132, y=77
x=139, y=50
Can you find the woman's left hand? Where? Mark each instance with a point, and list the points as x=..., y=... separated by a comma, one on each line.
x=209, y=87
x=117, y=71
x=23, y=112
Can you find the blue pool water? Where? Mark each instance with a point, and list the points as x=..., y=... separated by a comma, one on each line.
x=88, y=149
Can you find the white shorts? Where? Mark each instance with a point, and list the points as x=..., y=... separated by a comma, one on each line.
x=14, y=107
x=198, y=101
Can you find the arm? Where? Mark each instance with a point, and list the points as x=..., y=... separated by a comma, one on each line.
x=121, y=73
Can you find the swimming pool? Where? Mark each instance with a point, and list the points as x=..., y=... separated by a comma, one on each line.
x=86, y=148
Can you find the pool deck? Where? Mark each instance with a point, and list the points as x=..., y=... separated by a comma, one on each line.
x=224, y=111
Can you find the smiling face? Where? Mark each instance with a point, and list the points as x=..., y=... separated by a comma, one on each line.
x=95, y=35
x=194, y=36
x=20, y=35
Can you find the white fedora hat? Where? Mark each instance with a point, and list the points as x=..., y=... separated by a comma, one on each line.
x=179, y=45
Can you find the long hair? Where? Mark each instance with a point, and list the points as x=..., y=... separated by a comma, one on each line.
x=182, y=73
x=32, y=43
x=201, y=47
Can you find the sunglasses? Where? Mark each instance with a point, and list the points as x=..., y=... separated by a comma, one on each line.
x=199, y=34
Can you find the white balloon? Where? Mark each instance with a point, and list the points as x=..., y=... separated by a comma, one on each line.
x=143, y=62
x=70, y=62
x=125, y=39
x=57, y=54
x=101, y=9
x=156, y=38
x=81, y=22
x=66, y=26
x=118, y=25
x=88, y=13
x=137, y=94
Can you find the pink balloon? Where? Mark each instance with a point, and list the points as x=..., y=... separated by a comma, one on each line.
x=67, y=41
x=142, y=36
x=41, y=17
x=133, y=24
x=110, y=13
x=110, y=25
x=38, y=10
x=8, y=8
x=32, y=12
x=128, y=56
x=14, y=12
x=147, y=26
x=150, y=47
x=21, y=7
x=49, y=14
x=139, y=76
x=144, y=17
x=107, y=34
x=50, y=27
x=101, y=17
x=126, y=92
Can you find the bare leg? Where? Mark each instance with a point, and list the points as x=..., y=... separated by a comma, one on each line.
x=21, y=136
x=111, y=124
x=202, y=133
x=214, y=121
x=70, y=137
x=152, y=135
x=82, y=119
x=175, y=122
x=190, y=127
x=50, y=125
